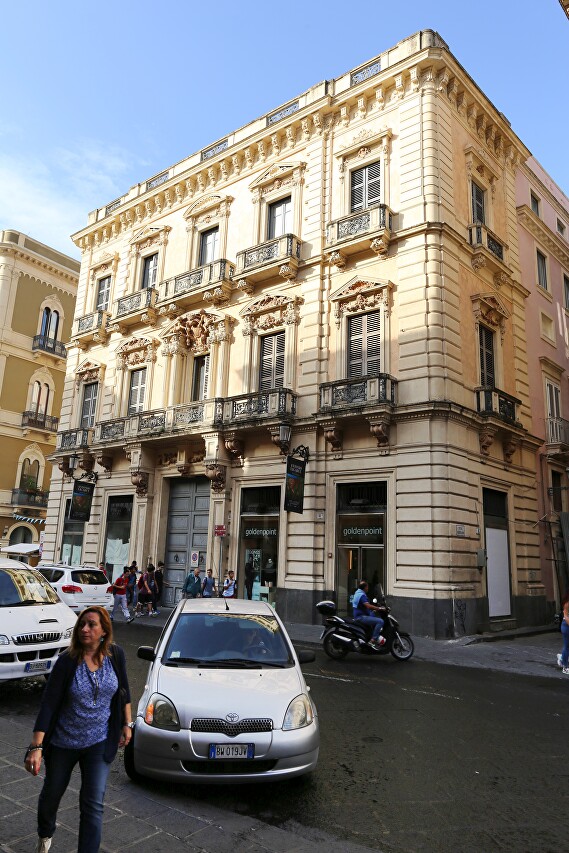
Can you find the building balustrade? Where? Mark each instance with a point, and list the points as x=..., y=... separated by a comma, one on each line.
x=180, y=290
x=481, y=238
x=74, y=439
x=275, y=403
x=279, y=256
x=367, y=229
x=49, y=345
x=558, y=431
x=136, y=308
x=39, y=420
x=92, y=326
x=161, y=421
x=29, y=497
x=348, y=394
x=492, y=401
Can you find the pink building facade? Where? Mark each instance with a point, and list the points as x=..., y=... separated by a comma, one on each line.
x=543, y=227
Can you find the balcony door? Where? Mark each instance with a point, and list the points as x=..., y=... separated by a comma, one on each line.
x=272, y=367
x=487, y=360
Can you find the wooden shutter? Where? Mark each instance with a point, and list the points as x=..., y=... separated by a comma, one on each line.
x=271, y=374
x=364, y=345
x=373, y=181
x=357, y=190
x=477, y=203
x=365, y=187
x=137, y=388
x=486, y=339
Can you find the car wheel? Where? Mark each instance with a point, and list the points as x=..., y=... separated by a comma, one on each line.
x=129, y=767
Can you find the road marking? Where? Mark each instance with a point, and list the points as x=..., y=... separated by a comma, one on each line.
x=329, y=677
x=432, y=693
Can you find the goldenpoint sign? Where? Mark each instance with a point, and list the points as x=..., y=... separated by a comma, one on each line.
x=364, y=529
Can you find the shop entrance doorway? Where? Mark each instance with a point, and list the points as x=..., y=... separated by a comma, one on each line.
x=356, y=563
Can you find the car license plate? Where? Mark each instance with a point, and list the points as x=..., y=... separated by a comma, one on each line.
x=38, y=666
x=232, y=750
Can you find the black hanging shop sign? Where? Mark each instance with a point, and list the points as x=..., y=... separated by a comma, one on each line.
x=294, y=486
x=81, y=500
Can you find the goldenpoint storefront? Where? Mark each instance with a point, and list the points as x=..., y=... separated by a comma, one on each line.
x=360, y=526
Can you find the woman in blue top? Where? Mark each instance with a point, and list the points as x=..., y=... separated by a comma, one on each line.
x=85, y=715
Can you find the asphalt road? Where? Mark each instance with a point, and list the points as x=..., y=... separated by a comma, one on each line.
x=414, y=757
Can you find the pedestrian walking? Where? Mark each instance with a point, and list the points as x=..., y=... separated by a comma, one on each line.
x=159, y=580
x=563, y=658
x=192, y=586
x=209, y=588
x=85, y=715
x=119, y=590
x=249, y=577
x=229, y=586
x=144, y=595
x=131, y=588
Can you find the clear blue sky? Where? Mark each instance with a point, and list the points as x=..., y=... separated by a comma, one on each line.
x=99, y=96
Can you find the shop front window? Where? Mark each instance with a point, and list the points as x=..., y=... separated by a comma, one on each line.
x=72, y=540
x=360, y=540
x=117, y=538
x=259, y=542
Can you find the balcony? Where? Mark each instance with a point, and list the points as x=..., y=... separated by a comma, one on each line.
x=92, y=327
x=496, y=403
x=29, y=498
x=38, y=420
x=275, y=404
x=212, y=281
x=557, y=440
x=488, y=250
x=350, y=395
x=359, y=232
x=74, y=439
x=187, y=418
x=136, y=309
x=42, y=343
x=277, y=257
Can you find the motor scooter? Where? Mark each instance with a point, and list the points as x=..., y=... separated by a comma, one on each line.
x=342, y=636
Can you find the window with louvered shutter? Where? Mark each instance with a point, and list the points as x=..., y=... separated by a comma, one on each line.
x=478, y=214
x=271, y=373
x=280, y=218
x=149, y=270
x=487, y=374
x=103, y=293
x=137, y=389
x=365, y=187
x=200, y=381
x=208, y=246
x=364, y=345
x=541, y=270
x=90, y=392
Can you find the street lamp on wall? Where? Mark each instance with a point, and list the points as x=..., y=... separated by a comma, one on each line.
x=72, y=466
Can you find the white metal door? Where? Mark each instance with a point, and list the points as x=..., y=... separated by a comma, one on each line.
x=498, y=572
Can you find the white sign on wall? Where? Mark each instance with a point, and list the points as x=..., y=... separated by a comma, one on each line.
x=194, y=559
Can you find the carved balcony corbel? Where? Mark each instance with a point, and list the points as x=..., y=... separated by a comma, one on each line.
x=486, y=439
x=334, y=437
x=509, y=445
x=287, y=272
x=105, y=462
x=338, y=260
x=245, y=286
x=380, y=245
x=139, y=479
x=217, y=474
x=380, y=431
x=63, y=466
x=234, y=447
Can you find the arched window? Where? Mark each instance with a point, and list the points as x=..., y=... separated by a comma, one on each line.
x=53, y=325
x=30, y=474
x=40, y=398
x=45, y=322
x=20, y=535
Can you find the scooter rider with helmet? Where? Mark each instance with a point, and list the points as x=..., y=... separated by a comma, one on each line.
x=365, y=612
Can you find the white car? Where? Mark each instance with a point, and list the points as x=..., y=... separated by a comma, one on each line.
x=35, y=626
x=225, y=699
x=79, y=586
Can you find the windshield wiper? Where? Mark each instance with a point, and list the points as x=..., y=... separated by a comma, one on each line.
x=27, y=601
x=232, y=662
x=176, y=661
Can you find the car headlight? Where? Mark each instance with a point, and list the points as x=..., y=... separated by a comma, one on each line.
x=67, y=633
x=298, y=714
x=161, y=714
x=4, y=640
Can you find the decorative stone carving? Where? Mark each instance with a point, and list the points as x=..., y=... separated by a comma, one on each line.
x=216, y=473
x=380, y=431
x=337, y=259
x=478, y=261
x=165, y=459
x=510, y=445
x=500, y=278
x=234, y=447
x=380, y=245
x=105, y=462
x=489, y=309
x=486, y=439
x=89, y=371
x=139, y=479
x=245, y=286
x=136, y=351
x=63, y=466
x=360, y=295
x=334, y=437
x=287, y=272
x=191, y=332
x=271, y=311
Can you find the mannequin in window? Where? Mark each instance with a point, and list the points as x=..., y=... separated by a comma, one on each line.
x=270, y=574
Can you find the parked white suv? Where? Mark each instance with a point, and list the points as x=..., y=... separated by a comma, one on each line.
x=78, y=586
x=35, y=626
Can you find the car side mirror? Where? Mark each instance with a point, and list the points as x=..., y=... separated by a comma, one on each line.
x=305, y=655
x=146, y=653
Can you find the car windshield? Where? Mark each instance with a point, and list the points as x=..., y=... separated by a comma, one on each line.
x=89, y=577
x=24, y=586
x=227, y=639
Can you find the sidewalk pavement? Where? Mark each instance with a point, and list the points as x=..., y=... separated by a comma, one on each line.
x=523, y=651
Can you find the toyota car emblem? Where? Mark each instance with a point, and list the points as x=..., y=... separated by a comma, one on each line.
x=232, y=718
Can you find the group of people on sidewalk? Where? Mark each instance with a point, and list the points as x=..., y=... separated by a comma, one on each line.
x=197, y=587
x=141, y=590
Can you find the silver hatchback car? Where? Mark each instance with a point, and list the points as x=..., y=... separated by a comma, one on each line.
x=225, y=699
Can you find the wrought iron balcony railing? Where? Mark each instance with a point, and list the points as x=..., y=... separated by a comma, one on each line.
x=135, y=303
x=492, y=401
x=361, y=224
x=38, y=420
x=161, y=421
x=275, y=403
x=480, y=235
x=74, y=439
x=363, y=391
x=50, y=345
x=91, y=323
x=29, y=497
x=267, y=258
x=557, y=431
x=197, y=279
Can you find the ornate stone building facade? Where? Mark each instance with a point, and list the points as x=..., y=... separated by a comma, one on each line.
x=37, y=300
x=342, y=274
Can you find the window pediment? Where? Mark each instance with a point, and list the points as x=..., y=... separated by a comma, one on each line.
x=107, y=264
x=490, y=310
x=479, y=162
x=150, y=236
x=366, y=142
x=89, y=371
x=279, y=174
x=360, y=294
x=270, y=312
x=208, y=208
x=136, y=351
